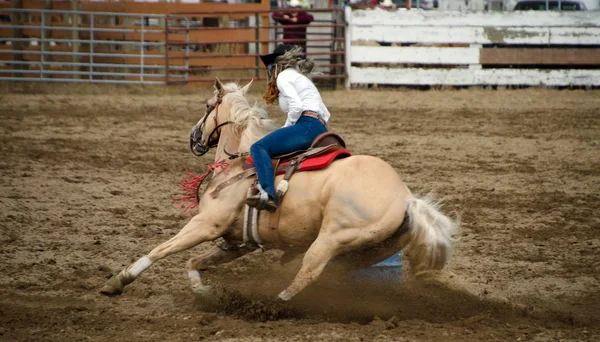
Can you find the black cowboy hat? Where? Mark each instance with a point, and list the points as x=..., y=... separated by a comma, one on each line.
x=280, y=50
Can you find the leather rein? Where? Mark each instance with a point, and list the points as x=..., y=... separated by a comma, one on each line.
x=196, y=137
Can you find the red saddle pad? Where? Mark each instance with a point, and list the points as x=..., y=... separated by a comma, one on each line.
x=313, y=163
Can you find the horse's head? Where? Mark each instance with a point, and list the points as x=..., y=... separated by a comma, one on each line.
x=206, y=133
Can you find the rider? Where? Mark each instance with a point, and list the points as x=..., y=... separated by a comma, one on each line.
x=288, y=72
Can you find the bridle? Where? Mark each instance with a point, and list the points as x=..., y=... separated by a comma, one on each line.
x=196, y=134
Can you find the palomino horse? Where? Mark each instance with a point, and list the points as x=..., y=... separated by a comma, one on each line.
x=357, y=209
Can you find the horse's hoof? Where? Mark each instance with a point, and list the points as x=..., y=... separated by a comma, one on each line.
x=112, y=287
x=202, y=290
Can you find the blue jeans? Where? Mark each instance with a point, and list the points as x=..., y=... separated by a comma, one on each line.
x=284, y=140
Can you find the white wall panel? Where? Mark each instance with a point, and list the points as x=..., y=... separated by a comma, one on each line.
x=417, y=76
x=414, y=55
x=451, y=34
x=429, y=31
x=477, y=19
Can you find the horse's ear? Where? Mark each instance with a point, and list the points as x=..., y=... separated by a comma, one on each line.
x=247, y=87
x=219, y=86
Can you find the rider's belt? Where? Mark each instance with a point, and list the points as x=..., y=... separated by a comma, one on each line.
x=314, y=115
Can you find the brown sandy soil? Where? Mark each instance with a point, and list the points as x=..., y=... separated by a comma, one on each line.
x=88, y=175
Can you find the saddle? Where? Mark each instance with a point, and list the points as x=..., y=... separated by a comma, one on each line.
x=324, y=144
x=326, y=148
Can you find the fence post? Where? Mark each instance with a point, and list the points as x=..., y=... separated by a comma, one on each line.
x=187, y=49
x=257, y=43
x=91, y=59
x=265, y=22
x=16, y=20
x=45, y=35
x=75, y=35
x=348, y=43
x=142, y=49
x=340, y=46
x=166, y=49
x=42, y=42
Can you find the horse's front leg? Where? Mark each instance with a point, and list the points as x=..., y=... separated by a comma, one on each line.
x=215, y=256
x=201, y=228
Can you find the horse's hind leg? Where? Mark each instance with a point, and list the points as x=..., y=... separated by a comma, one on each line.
x=315, y=260
x=196, y=231
x=215, y=256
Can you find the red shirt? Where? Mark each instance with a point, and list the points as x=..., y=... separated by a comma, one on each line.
x=303, y=18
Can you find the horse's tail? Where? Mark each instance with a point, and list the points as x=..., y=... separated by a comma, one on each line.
x=431, y=235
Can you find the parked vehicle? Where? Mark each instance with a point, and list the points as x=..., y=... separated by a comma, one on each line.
x=553, y=5
x=399, y=4
x=422, y=4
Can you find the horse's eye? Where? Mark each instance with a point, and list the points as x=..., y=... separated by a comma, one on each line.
x=207, y=105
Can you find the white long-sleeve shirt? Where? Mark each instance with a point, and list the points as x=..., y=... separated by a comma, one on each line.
x=298, y=94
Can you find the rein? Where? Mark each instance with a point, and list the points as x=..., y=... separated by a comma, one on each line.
x=190, y=186
x=215, y=130
x=217, y=125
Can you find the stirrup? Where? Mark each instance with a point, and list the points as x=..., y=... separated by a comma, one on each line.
x=261, y=202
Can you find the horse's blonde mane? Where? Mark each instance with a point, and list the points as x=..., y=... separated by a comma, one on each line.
x=250, y=122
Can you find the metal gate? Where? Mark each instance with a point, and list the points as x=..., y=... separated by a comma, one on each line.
x=79, y=46
x=178, y=48
x=203, y=45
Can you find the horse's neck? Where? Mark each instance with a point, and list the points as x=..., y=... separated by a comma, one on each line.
x=228, y=143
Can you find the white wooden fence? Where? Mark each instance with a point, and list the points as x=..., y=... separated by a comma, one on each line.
x=485, y=48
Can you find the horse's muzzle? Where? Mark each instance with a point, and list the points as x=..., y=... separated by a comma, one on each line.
x=198, y=149
x=195, y=143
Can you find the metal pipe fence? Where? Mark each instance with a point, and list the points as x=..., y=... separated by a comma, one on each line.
x=110, y=47
x=77, y=48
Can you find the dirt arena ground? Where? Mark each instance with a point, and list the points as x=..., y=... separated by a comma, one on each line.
x=88, y=174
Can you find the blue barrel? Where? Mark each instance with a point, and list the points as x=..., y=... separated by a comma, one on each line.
x=388, y=271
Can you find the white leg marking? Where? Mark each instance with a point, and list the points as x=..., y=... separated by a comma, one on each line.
x=194, y=276
x=285, y=296
x=140, y=266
